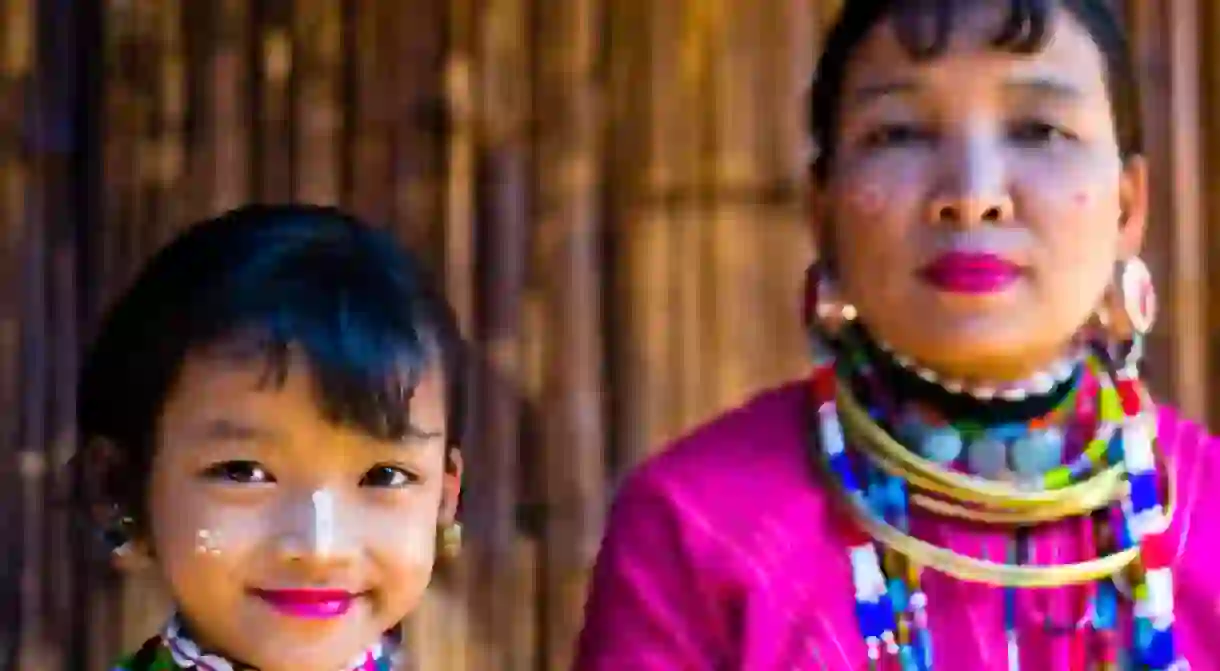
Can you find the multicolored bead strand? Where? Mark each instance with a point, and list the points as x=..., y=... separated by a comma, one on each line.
x=891, y=607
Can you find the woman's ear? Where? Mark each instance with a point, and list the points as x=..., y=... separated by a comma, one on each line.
x=1133, y=201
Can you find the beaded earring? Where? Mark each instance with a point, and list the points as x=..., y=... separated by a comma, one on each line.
x=825, y=308
x=1127, y=310
x=450, y=544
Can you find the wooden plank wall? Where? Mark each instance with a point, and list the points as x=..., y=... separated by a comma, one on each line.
x=612, y=192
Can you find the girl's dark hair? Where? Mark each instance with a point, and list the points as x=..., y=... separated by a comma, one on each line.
x=924, y=28
x=357, y=306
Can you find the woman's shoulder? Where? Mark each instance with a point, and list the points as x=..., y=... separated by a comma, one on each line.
x=746, y=469
x=1193, y=455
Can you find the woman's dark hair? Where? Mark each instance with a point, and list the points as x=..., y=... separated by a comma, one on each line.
x=358, y=307
x=924, y=28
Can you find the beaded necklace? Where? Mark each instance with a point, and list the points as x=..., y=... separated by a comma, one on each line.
x=1113, y=484
x=173, y=649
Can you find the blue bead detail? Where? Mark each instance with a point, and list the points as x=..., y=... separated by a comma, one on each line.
x=1143, y=491
x=1114, y=450
x=898, y=594
x=942, y=444
x=1105, y=606
x=1159, y=653
x=1038, y=452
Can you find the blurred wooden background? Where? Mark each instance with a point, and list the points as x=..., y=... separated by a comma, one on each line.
x=612, y=191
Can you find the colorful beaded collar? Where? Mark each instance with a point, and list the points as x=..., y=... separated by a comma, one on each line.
x=1115, y=436
x=173, y=649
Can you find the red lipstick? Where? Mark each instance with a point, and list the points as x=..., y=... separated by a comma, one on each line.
x=308, y=603
x=970, y=273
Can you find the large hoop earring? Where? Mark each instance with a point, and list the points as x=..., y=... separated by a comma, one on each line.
x=825, y=310
x=1128, y=307
x=1127, y=311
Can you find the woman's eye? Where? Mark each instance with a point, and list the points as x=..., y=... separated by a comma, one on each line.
x=242, y=472
x=895, y=135
x=388, y=476
x=1038, y=132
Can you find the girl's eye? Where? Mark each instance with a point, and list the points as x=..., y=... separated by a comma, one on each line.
x=1038, y=133
x=241, y=472
x=892, y=135
x=391, y=477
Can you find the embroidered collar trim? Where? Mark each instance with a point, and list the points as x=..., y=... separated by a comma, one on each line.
x=188, y=655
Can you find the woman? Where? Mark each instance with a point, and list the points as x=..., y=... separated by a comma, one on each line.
x=271, y=413
x=974, y=478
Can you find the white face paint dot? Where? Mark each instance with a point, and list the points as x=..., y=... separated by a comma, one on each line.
x=207, y=542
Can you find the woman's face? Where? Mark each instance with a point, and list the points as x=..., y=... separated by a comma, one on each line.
x=977, y=202
x=289, y=542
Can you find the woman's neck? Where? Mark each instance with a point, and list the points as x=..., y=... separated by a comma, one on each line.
x=974, y=399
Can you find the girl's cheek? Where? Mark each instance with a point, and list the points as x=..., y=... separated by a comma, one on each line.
x=209, y=542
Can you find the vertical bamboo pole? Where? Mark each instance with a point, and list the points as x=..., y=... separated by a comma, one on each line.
x=317, y=28
x=35, y=358
x=1209, y=59
x=275, y=121
x=568, y=252
x=371, y=53
x=642, y=74
x=170, y=146
x=788, y=45
x=216, y=40
x=1177, y=355
x=504, y=197
x=739, y=206
x=16, y=60
x=694, y=168
x=439, y=630
x=419, y=43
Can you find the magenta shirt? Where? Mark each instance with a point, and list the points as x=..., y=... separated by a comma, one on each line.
x=721, y=554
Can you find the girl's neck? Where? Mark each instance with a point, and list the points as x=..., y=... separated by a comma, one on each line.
x=381, y=655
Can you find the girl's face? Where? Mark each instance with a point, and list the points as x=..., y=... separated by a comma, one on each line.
x=977, y=202
x=290, y=542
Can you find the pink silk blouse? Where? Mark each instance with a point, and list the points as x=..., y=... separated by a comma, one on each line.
x=722, y=553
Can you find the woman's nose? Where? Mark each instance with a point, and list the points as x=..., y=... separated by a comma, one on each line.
x=972, y=188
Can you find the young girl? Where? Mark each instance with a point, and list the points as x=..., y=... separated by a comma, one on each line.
x=272, y=412
x=974, y=478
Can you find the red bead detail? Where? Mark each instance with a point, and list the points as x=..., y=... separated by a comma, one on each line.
x=1156, y=551
x=1078, y=652
x=849, y=530
x=1128, y=394
x=1105, y=646
x=824, y=384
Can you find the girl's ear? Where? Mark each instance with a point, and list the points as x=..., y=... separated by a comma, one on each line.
x=103, y=467
x=451, y=487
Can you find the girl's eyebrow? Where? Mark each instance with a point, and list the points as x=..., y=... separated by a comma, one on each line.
x=416, y=434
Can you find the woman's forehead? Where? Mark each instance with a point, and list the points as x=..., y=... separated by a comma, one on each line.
x=1069, y=52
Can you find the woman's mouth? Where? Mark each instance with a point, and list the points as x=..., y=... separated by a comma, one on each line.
x=312, y=604
x=970, y=273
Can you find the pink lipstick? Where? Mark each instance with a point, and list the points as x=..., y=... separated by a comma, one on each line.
x=970, y=273
x=308, y=603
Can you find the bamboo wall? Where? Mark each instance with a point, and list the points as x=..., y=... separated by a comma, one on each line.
x=612, y=191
